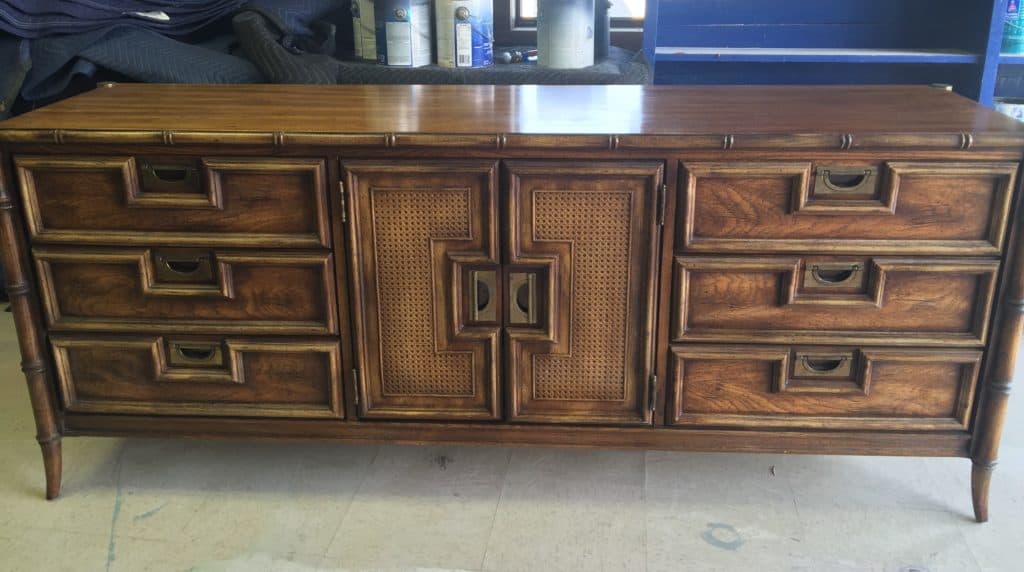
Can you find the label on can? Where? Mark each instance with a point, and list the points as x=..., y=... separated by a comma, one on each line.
x=403, y=32
x=465, y=33
x=463, y=44
x=399, y=42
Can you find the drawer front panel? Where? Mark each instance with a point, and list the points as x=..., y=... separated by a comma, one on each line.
x=833, y=300
x=895, y=207
x=184, y=290
x=822, y=387
x=190, y=375
x=268, y=202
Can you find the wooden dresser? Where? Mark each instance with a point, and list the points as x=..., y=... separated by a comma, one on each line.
x=833, y=270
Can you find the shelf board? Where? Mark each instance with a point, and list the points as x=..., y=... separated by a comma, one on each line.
x=1012, y=59
x=814, y=55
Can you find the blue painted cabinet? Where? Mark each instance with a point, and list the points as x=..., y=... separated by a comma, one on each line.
x=833, y=41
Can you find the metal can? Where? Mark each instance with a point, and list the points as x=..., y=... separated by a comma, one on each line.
x=565, y=33
x=403, y=32
x=1012, y=107
x=364, y=30
x=465, y=33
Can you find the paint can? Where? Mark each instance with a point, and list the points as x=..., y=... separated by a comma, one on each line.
x=1012, y=107
x=565, y=33
x=403, y=32
x=465, y=33
x=602, y=28
x=1013, y=27
x=364, y=30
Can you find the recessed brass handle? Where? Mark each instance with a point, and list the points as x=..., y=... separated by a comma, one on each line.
x=833, y=275
x=809, y=365
x=190, y=354
x=169, y=178
x=485, y=285
x=184, y=268
x=845, y=180
x=522, y=291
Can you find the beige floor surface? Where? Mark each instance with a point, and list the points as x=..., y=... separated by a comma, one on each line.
x=136, y=504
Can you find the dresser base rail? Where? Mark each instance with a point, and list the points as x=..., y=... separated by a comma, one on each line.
x=697, y=440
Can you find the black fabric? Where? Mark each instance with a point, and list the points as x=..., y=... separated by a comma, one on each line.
x=260, y=40
x=137, y=53
x=15, y=56
x=42, y=18
x=301, y=18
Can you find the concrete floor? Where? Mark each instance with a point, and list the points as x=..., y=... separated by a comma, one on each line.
x=140, y=504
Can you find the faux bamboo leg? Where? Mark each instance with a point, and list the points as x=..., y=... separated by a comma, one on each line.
x=995, y=392
x=14, y=255
x=981, y=476
x=52, y=466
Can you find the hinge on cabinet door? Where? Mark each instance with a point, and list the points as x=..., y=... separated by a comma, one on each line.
x=344, y=205
x=652, y=392
x=662, y=191
x=355, y=382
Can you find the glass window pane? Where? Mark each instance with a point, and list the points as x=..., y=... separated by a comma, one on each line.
x=528, y=9
x=620, y=9
x=628, y=9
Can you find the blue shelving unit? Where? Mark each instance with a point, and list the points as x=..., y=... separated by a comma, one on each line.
x=819, y=55
x=833, y=41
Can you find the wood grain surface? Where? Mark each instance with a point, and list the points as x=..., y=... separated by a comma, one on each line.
x=904, y=301
x=443, y=109
x=242, y=202
x=252, y=377
x=742, y=386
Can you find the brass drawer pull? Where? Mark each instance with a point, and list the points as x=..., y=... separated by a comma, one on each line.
x=484, y=284
x=845, y=180
x=833, y=275
x=522, y=298
x=169, y=178
x=188, y=354
x=182, y=268
x=823, y=365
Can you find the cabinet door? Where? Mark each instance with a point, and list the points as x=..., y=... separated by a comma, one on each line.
x=581, y=273
x=420, y=231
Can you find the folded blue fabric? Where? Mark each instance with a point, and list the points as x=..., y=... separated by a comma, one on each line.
x=16, y=60
x=41, y=18
x=296, y=17
x=135, y=52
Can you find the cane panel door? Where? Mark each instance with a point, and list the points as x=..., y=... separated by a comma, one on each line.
x=581, y=266
x=425, y=253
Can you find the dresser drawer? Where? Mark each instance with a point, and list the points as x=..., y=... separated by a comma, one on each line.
x=269, y=202
x=868, y=207
x=187, y=290
x=811, y=299
x=195, y=375
x=822, y=387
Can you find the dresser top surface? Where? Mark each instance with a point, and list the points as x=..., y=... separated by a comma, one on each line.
x=653, y=110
